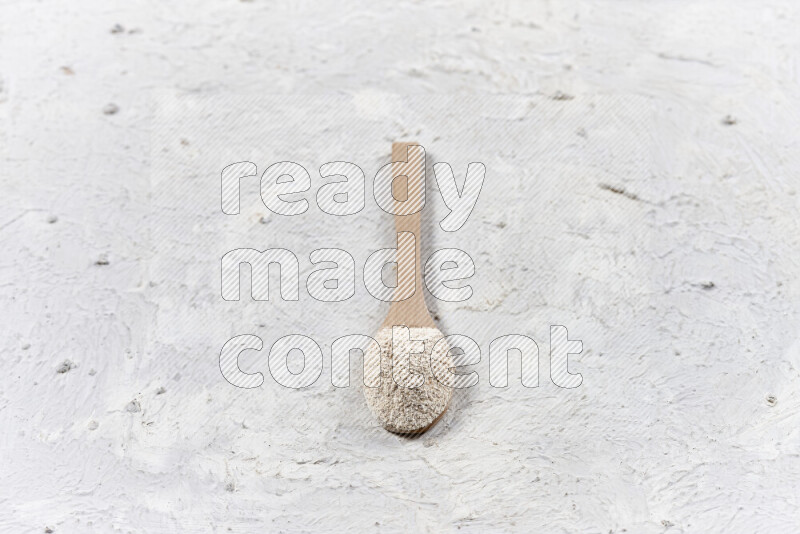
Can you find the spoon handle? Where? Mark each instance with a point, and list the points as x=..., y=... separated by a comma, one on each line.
x=410, y=311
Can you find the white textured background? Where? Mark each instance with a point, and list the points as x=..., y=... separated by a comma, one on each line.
x=688, y=416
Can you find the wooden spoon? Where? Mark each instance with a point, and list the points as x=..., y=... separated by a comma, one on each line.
x=399, y=408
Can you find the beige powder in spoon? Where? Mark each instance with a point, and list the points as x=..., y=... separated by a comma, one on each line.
x=410, y=409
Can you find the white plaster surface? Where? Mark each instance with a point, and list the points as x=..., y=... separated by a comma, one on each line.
x=654, y=214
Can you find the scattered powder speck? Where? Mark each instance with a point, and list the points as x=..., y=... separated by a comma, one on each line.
x=65, y=367
x=110, y=109
x=410, y=409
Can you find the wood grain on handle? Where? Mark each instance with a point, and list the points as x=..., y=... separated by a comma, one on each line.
x=412, y=311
